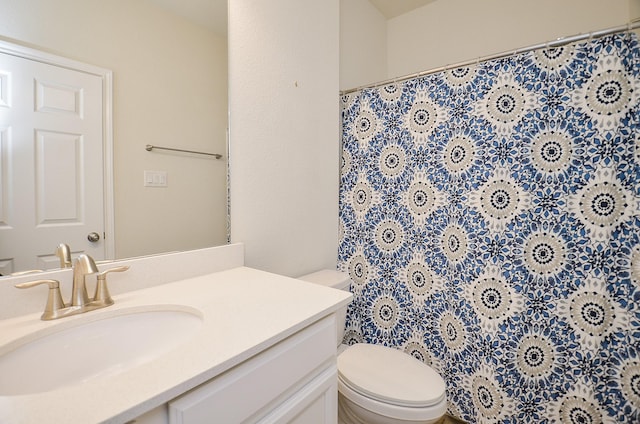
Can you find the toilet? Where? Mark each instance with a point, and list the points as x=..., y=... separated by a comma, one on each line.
x=378, y=384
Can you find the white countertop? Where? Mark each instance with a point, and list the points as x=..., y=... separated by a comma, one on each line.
x=244, y=312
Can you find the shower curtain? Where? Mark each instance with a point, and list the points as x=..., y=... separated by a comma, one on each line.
x=490, y=223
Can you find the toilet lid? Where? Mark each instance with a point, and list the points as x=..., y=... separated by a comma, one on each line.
x=390, y=375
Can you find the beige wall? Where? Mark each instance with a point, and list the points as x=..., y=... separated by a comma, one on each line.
x=451, y=31
x=284, y=114
x=363, y=44
x=169, y=90
x=634, y=10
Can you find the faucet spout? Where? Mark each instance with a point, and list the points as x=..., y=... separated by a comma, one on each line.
x=63, y=252
x=83, y=266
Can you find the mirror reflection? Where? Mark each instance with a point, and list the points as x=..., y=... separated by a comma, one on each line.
x=169, y=64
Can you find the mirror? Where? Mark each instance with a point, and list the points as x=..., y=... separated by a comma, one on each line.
x=169, y=63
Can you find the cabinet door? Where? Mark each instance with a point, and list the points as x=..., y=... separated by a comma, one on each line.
x=158, y=415
x=252, y=389
x=316, y=403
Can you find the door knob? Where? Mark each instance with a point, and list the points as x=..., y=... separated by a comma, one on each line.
x=93, y=237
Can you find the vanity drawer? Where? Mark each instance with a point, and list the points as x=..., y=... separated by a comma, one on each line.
x=252, y=389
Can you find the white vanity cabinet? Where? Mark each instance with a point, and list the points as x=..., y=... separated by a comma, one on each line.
x=264, y=352
x=294, y=381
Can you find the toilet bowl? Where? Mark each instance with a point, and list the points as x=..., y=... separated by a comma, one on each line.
x=378, y=384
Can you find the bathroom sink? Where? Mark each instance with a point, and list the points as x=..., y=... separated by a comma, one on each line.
x=64, y=355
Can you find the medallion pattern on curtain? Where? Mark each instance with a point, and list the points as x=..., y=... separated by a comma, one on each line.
x=490, y=222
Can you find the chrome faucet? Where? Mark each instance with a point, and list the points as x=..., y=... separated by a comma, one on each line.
x=63, y=252
x=83, y=266
x=80, y=302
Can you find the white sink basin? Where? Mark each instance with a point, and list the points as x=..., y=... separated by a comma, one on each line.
x=61, y=356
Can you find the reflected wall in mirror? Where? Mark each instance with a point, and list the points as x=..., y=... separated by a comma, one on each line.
x=169, y=89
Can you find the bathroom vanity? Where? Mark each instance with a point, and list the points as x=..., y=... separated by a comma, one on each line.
x=237, y=345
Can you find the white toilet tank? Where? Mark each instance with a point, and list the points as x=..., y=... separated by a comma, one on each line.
x=337, y=280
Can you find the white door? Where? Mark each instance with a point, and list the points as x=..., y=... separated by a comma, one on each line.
x=51, y=163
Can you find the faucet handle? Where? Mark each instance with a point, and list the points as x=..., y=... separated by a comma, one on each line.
x=54, y=299
x=102, y=291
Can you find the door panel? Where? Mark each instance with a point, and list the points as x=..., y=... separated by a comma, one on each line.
x=51, y=163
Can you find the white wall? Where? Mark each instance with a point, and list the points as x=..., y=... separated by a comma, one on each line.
x=284, y=113
x=363, y=44
x=169, y=90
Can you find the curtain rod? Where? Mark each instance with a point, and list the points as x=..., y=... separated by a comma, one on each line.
x=556, y=43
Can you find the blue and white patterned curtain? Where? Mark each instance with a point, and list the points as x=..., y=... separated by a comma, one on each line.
x=490, y=222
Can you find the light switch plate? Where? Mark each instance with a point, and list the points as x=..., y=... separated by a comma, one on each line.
x=155, y=178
